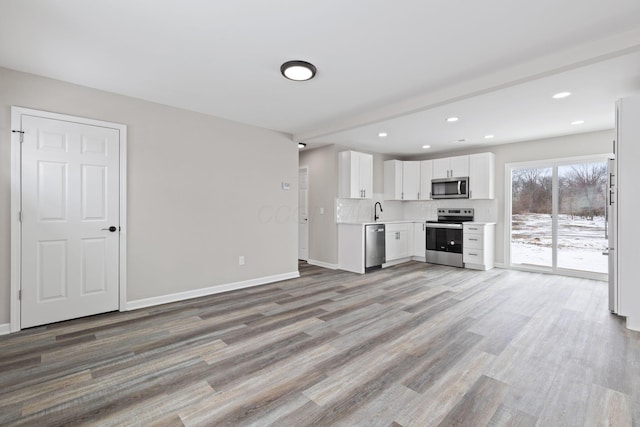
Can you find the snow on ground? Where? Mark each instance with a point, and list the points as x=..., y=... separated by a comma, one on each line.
x=580, y=241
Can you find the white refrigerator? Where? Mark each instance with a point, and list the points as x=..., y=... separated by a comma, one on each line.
x=611, y=231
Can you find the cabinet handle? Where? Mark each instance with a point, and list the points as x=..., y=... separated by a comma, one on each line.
x=418, y=195
x=470, y=194
x=401, y=196
x=472, y=254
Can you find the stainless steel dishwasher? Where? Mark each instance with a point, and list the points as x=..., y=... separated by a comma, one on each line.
x=374, y=240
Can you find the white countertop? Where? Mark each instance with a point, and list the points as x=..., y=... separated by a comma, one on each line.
x=393, y=221
x=478, y=223
x=406, y=221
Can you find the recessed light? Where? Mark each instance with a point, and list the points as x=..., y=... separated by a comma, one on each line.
x=452, y=119
x=298, y=70
x=489, y=136
x=577, y=122
x=301, y=145
x=382, y=134
x=426, y=146
x=561, y=95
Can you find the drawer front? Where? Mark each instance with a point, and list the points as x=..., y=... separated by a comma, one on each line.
x=473, y=256
x=473, y=229
x=392, y=228
x=473, y=241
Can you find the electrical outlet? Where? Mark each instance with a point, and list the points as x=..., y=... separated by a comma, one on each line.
x=241, y=260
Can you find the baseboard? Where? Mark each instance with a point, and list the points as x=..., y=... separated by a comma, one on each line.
x=181, y=296
x=499, y=265
x=5, y=328
x=323, y=264
x=396, y=262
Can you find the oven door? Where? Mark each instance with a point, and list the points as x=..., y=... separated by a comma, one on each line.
x=444, y=244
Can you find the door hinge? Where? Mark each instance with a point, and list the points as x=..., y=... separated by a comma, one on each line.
x=20, y=294
x=21, y=132
x=19, y=216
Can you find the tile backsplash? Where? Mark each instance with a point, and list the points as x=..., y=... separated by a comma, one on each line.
x=357, y=210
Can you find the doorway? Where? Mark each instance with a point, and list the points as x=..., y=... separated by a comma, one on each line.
x=556, y=216
x=303, y=214
x=68, y=217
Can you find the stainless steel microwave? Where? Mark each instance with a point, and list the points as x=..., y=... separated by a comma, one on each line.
x=450, y=188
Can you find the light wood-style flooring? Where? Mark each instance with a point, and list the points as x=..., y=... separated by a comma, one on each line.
x=411, y=345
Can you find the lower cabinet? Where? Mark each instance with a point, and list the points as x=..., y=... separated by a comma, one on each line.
x=478, y=245
x=419, y=240
x=397, y=241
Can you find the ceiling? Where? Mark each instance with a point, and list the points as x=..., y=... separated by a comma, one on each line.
x=399, y=67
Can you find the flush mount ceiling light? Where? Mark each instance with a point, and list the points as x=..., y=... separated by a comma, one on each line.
x=489, y=136
x=298, y=70
x=382, y=134
x=301, y=145
x=561, y=95
x=452, y=119
x=577, y=122
x=426, y=147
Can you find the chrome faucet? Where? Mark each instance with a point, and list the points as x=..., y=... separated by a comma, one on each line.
x=375, y=211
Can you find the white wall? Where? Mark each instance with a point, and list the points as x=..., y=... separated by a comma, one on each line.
x=201, y=190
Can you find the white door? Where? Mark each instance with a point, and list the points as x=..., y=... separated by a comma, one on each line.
x=366, y=175
x=459, y=166
x=303, y=216
x=70, y=198
x=426, y=174
x=441, y=168
x=410, y=180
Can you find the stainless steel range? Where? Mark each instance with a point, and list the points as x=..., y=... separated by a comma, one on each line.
x=444, y=236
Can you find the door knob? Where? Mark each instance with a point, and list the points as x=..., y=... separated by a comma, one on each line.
x=112, y=229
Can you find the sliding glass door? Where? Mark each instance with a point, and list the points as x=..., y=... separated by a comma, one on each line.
x=531, y=216
x=557, y=216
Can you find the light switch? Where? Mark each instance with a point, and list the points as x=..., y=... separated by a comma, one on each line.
x=285, y=185
x=321, y=211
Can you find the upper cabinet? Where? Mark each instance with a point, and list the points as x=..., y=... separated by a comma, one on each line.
x=355, y=175
x=451, y=167
x=481, y=176
x=393, y=180
x=426, y=174
x=401, y=180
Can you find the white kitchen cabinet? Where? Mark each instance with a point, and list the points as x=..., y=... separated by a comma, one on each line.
x=397, y=241
x=451, y=167
x=410, y=180
x=481, y=176
x=401, y=180
x=426, y=174
x=355, y=175
x=478, y=245
x=393, y=180
x=419, y=239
